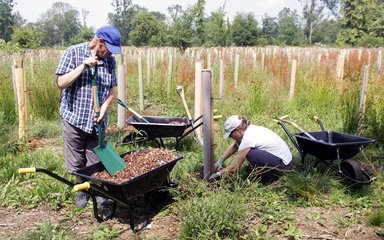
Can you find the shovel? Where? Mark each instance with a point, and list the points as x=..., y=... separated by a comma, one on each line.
x=132, y=111
x=288, y=119
x=108, y=156
x=180, y=92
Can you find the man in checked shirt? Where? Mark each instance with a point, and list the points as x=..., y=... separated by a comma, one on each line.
x=78, y=118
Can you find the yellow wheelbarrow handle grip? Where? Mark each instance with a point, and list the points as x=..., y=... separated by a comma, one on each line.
x=315, y=118
x=26, y=170
x=82, y=186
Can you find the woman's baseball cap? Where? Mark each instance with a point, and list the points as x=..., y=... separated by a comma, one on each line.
x=231, y=124
x=111, y=37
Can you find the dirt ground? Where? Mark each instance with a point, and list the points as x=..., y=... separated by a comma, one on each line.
x=313, y=222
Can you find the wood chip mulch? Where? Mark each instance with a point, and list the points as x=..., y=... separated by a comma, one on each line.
x=138, y=163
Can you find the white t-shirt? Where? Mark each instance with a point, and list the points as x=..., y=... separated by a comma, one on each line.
x=265, y=139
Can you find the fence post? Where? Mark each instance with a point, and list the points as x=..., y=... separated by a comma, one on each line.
x=141, y=93
x=293, y=79
x=221, y=77
x=363, y=98
x=169, y=74
x=21, y=88
x=121, y=92
x=208, y=123
x=198, y=98
x=237, y=63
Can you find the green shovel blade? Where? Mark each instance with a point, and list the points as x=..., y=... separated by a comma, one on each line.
x=110, y=158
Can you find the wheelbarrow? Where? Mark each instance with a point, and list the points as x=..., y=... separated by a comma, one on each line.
x=158, y=128
x=328, y=146
x=121, y=193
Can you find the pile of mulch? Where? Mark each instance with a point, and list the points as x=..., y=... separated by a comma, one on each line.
x=138, y=163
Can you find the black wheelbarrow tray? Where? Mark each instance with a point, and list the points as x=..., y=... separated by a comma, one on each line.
x=119, y=192
x=159, y=128
x=328, y=146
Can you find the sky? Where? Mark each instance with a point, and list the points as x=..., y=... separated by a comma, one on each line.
x=99, y=9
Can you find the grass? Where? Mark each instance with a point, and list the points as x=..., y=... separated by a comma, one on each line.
x=238, y=207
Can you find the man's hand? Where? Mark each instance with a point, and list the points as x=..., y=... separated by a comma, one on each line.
x=91, y=61
x=215, y=176
x=219, y=164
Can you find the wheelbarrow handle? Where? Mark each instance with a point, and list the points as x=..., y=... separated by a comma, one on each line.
x=82, y=186
x=319, y=122
x=287, y=119
x=289, y=135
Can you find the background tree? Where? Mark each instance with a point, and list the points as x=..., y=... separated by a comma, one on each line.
x=85, y=34
x=289, y=32
x=6, y=19
x=148, y=30
x=59, y=24
x=199, y=23
x=269, y=30
x=181, y=27
x=361, y=23
x=326, y=32
x=26, y=37
x=122, y=17
x=245, y=29
x=313, y=13
x=216, y=29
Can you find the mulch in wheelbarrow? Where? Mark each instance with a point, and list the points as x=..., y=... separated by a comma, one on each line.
x=138, y=163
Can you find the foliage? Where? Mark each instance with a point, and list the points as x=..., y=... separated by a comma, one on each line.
x=222, y=215
x=147, y=30
x=245, y=30
x=270, y=29
x=47, y=230
x=58, y=24
x=217, y=29
x=325, y=32
x=8, y=47
x=290, y=32
x=362, y=23
x=26, y=37
x=181, y=27
x=313, y=14
x=85, y=34
x=377, y=218
x=6, y=19
x=122, y=17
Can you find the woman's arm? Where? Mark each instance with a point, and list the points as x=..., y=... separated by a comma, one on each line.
x=237, y=162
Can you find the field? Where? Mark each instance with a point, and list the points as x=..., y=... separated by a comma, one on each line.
x=307, y=203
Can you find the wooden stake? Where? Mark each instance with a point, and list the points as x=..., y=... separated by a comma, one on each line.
x=21, y=88
x=121, y=94
x=363, y=98
x=293, y=79
x=208, y=124
x=141, y=91
x=198, y=104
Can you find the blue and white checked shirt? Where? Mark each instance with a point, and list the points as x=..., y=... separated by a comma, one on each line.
x=76, y=104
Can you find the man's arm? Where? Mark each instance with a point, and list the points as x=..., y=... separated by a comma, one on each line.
x=66, y=80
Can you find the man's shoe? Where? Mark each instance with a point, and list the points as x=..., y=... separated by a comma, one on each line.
x=81, y=200
x=104, y=201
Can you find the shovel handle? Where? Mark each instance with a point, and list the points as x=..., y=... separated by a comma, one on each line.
x=132, y=111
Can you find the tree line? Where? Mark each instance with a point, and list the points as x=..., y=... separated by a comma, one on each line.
x=325, y=22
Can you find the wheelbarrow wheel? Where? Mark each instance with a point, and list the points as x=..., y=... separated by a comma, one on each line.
x=352, y=170
x=133, y=138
